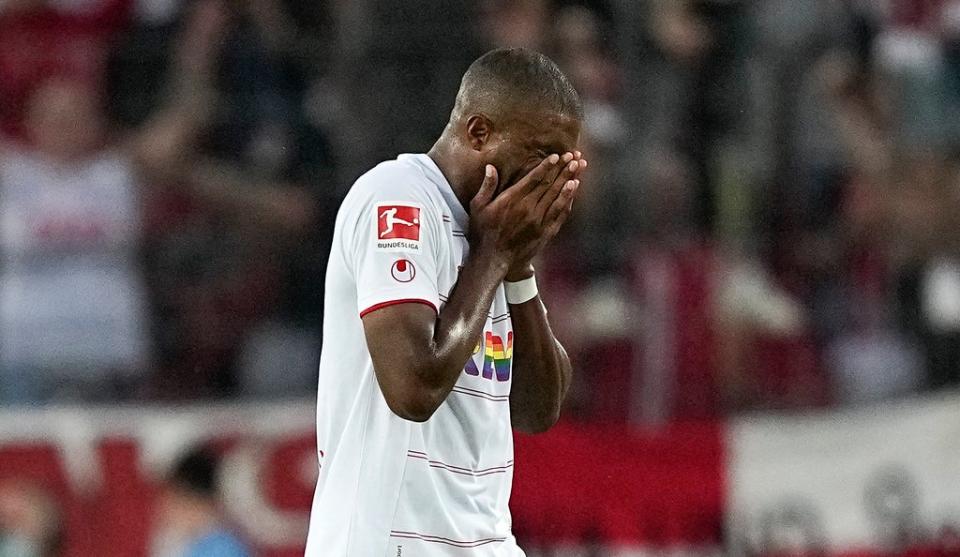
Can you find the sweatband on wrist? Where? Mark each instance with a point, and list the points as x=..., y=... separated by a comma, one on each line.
x=520, y=291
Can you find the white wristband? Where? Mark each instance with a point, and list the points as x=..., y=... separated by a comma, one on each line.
x=520, y=291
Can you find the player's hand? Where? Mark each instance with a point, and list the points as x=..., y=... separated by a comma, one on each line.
x=515, y=225
x=556, y=197
x=555, y=206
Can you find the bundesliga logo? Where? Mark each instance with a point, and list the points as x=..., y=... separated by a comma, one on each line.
x=398, y=228
x=398, y=221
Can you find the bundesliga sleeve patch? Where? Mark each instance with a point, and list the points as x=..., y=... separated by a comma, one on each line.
x=398, y=227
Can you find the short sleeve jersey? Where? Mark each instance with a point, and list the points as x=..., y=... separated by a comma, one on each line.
x=388, y=486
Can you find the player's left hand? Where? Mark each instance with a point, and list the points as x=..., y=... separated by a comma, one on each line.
x=555, y=206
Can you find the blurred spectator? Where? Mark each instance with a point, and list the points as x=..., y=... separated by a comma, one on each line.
x=688, y=330
x=395, y=91
x=44, y=38
x=892, y=215
x=243, y=214
x=189, y=521
x=29, y=522
x=517, y=23
x=925, y=218
x=681, y=62
x=836, y=253
x=73, y=317
x=579, y=42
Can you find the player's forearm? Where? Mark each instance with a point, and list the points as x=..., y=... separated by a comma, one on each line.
x=542, y=370
x=460, y=322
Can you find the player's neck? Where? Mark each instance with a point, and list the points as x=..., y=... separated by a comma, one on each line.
x=458, y=177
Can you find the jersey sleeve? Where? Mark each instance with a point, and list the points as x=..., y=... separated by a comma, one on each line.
x=394, y=248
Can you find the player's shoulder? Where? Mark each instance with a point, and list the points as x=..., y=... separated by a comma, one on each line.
x=400, y=179
x=393, y=193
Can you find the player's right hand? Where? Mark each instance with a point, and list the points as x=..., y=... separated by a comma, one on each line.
x=512, y=227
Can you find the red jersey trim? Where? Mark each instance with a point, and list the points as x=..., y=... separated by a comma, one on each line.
x=382, y=305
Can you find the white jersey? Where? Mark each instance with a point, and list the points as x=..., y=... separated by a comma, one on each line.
x=389, y=487
x=71, y=296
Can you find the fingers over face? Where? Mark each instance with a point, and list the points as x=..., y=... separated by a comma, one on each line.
x=581, y=166
x=488, y=187
x=557, y=171
x=541, y=173
x=559, y=210
x=549, y=193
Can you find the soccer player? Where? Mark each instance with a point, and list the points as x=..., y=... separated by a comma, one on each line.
x=435, y=340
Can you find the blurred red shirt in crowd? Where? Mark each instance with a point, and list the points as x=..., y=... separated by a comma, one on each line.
x=40, y=39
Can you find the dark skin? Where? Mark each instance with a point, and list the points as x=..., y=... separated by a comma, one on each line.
x=419, y=355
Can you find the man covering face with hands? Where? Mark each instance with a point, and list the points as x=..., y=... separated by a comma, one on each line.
x=436, y=343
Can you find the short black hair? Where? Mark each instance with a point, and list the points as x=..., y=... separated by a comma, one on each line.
x=511, y=78
x=196, y=472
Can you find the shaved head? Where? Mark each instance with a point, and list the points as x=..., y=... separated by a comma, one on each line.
x=514, y=108
x=510, y=82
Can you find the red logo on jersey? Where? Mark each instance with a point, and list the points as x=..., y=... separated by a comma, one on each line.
x=403, y=270
x=398, y=221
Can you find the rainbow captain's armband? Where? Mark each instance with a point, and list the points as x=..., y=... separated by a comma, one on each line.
x=497, y=358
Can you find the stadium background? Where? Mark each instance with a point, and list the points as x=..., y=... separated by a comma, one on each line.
x=760, y=286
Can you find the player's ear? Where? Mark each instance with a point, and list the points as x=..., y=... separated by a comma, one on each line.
x=479, y=131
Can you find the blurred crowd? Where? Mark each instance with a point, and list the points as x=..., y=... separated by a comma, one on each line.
x=186, y=514
x=771, y=222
